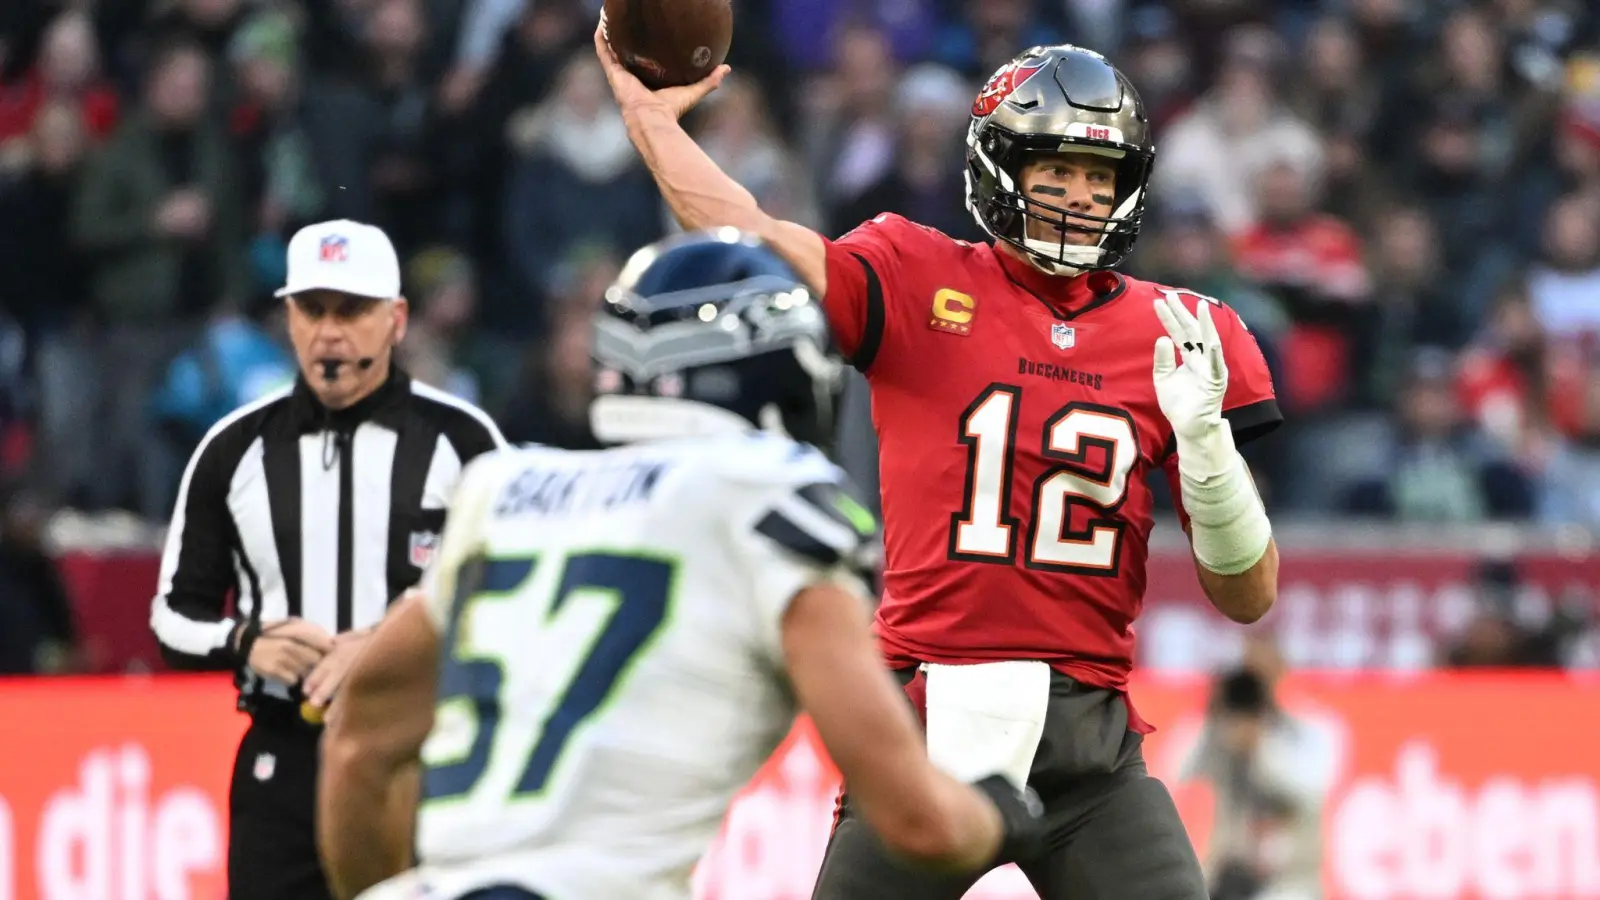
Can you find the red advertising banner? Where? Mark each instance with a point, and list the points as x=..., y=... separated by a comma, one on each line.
x=115, y=788
x=1447, y=786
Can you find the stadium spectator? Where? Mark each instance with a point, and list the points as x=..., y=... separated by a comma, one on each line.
x=36, y=627
x=1571, y=485
x=1565, y=285
x=578, y=182
x=806, y=28
x=737, y=132
x=1418, y=305
x=279, y=180
x=1505, y=377
x=16, y=434
x=67, y=73
x=1504, y=632
x=1439, y=467
x=1449, y=174
x=986, y=34
x=924, y=180
x=1315, y=266
x=440, y=349
x=1162, y=63
x=549, y=403
x=375, y=132
x=158, y=215
x=43, y=285
x=232, y=362
x=849, y=131
x=1235, y=132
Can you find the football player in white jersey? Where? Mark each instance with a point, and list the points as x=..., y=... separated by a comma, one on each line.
x=611, y=643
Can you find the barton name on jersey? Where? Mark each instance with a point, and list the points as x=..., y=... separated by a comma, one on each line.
x=613, y=671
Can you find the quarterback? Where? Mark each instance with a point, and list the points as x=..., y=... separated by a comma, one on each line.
x=1023, y=391
x=625, y=632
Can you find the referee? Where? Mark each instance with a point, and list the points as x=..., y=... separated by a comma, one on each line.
x=317, y=506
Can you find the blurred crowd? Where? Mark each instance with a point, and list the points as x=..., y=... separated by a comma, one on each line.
x=1400, y=197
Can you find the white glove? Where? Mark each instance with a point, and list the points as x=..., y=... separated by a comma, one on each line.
x=1190, y=391
x=1228, y=526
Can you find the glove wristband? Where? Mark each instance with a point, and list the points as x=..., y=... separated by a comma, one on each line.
x=1228, y=526
x=1023, y=831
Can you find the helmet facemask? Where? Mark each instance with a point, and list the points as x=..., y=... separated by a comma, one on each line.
x=996, y=159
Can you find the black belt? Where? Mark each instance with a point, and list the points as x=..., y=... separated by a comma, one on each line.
x=270, y=712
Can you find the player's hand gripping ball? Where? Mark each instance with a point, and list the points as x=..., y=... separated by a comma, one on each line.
x=668, y=43
x=1189, y=390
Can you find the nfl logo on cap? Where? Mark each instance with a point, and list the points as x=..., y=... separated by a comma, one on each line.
x=1063, y=336
x=334, y=248
x=342, y=256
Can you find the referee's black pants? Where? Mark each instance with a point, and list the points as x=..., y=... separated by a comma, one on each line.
x=272, y=835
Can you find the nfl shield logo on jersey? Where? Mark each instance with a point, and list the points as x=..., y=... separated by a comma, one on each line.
x=1063, y=336
x=266, y=764
x=423, y=543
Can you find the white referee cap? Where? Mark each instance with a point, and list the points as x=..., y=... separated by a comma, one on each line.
x=343, y=256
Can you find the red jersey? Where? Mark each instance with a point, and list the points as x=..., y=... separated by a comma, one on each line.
x=1017, y=422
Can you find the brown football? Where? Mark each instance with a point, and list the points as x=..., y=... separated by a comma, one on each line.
x=669, y=42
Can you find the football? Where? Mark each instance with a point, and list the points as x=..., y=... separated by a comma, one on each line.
x=666, y=43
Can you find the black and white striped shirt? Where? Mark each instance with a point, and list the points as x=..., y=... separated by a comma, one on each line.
x=325, y=516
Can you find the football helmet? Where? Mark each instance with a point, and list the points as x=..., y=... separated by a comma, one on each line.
x=711, y=331
x=1050, y=100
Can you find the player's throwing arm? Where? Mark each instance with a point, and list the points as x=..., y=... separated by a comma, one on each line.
x=700, y=194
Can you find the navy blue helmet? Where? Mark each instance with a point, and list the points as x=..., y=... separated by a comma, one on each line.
x=708, y=330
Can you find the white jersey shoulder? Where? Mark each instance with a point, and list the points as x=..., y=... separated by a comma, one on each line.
x=613, y=672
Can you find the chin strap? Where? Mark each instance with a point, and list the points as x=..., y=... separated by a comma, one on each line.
x=1051, y=267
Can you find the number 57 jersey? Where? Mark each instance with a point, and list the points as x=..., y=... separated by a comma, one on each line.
x=612, y=671
x=1017, y=424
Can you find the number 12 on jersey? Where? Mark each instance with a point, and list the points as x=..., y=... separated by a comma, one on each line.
x=1094, y=447
x=472, y=673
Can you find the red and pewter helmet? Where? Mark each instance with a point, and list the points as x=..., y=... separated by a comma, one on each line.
x=1060, y=99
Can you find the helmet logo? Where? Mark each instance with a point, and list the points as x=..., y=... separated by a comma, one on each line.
x=1003, y=83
